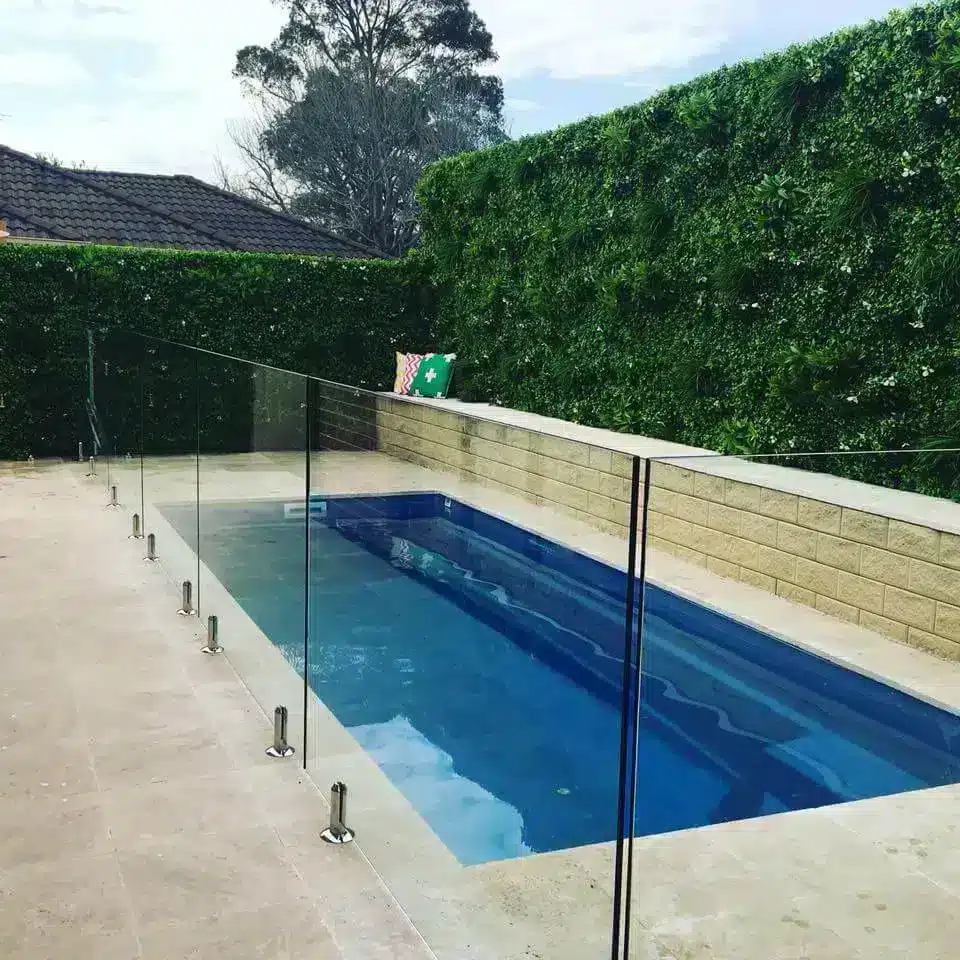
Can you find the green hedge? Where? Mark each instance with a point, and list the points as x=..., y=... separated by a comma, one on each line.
x=764, y=259
x=339, y=319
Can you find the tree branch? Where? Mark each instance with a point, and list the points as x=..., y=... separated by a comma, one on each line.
x=377, y=90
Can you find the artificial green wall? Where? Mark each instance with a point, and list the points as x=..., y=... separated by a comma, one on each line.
x=764, y=259
x=339, y=319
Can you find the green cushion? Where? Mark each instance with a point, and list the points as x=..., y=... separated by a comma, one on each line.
x=433, y=375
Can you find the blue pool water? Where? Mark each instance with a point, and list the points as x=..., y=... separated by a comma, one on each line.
x=481, y=665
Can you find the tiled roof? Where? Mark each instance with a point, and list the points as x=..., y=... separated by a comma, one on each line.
x=44, y=201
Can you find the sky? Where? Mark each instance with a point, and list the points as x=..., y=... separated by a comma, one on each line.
x=146, y=85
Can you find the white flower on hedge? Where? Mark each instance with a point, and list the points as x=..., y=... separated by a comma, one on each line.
x=940, y=101
x=853, y=399
x=917, y=324
x=891, y=381
x=147, y=297
x=926, y=371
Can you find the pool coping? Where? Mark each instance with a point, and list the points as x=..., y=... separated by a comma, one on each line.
x=903, y=505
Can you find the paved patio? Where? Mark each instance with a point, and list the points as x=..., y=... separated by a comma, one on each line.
x=141, y=819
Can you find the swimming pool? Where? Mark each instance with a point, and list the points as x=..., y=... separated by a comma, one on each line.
x=480, y=666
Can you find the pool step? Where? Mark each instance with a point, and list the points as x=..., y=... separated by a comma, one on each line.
x=297, y=511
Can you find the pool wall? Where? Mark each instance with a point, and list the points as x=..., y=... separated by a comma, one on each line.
x=884, y=559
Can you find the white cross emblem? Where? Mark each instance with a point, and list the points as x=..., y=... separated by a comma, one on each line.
x=431, y=375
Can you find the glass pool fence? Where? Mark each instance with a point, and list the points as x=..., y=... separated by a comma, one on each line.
x=447, y=613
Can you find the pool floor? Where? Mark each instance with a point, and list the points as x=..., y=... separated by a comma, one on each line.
x=481, y=668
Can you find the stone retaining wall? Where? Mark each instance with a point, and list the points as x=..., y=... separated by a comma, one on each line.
x=892, y=577
x=896, y=578
x=586, y=482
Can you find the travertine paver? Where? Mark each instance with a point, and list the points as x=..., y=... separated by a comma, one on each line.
x=138, y=814
x=129, y=704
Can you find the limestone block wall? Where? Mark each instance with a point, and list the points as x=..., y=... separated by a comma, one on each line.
x=896, y=578
x=586, y=482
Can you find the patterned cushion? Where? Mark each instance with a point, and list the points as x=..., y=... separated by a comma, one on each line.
x=432, y=378
x=407, y=364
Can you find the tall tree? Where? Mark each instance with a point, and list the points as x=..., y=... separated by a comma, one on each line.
x=354, y=98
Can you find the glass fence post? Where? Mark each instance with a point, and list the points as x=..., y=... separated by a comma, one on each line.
x=308, y=413
x=625, y=712
x=637, y=687
x=141, y=363
x=196, y=397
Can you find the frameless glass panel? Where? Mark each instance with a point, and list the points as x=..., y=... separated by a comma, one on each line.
x=252, y=526
x=466, y=667
x=799, y=616
x=169, y=379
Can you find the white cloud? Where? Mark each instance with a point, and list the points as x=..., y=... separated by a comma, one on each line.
x=147, y=85
x=521, y=105
x=39, y=69
x=569, y=39
x=158, y=90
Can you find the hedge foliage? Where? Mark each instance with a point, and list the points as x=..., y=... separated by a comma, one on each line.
x=764, y=259
x=338, y=319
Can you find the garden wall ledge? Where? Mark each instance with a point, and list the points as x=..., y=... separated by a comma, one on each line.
x=901, y=505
